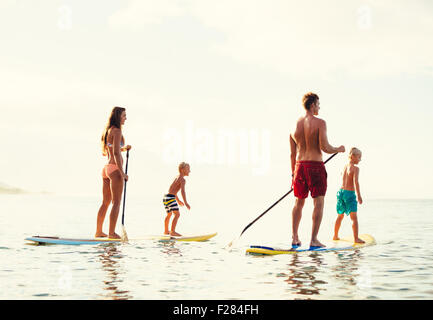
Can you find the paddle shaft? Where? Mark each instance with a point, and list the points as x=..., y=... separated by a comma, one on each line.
x=124, y=189
x=251, y=223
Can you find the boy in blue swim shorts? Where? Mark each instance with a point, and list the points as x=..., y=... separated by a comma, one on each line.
x=346, y=196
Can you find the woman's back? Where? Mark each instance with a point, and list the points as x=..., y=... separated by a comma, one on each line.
x=110, y=145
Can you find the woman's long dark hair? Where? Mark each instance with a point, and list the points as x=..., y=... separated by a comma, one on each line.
x=113, y=121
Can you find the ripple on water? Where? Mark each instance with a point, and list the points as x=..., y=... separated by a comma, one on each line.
x=43, y=295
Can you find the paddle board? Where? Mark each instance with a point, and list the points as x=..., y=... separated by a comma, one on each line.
x=39, y=240
x=203, y=237
x=334, y=245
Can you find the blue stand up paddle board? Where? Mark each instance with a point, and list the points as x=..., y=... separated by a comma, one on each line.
x=38, y=240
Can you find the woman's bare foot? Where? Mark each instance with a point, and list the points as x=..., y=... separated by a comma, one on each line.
x=336, y=238
x=100, y=235
x=359, y=241
x=114, y=236
x=167, y=233
x=316, y=243
x=175, y=234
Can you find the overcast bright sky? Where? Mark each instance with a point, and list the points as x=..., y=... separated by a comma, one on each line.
x=197, y=75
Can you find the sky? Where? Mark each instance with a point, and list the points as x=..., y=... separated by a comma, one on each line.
x=218, y=84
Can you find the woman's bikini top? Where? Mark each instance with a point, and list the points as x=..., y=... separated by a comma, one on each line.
x=121, y=144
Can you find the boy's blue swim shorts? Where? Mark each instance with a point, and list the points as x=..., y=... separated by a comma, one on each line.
x=346, y=202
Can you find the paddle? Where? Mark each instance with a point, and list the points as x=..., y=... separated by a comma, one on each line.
x=124, y=235
x=252, y=222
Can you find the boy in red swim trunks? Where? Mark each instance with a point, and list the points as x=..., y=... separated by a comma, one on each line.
x=307, y=142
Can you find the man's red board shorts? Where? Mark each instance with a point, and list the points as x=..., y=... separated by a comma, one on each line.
x=309, y=176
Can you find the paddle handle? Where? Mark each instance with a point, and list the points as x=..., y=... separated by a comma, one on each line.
x=330, y=157
x=124, y=188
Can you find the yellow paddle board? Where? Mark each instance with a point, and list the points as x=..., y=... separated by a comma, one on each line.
x=203, y=237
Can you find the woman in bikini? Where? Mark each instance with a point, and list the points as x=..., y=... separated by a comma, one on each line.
x=112, y=174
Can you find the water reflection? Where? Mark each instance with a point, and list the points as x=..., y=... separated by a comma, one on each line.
x=169, y=248
x=347, y=270
x=110, y=258
x=302, y=274
x=305, y=273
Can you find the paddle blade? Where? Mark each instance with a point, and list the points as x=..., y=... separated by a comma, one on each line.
x=124, y=237
x=229, y=246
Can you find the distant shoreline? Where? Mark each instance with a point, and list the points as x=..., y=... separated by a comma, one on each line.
x=5, y=189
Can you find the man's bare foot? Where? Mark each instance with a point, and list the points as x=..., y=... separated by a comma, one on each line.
x=100, y=235
x=296, y=242
x=316, y=244
x=359, y=241
x=167, y=233
x=114, y=236
x=175, y=234
x=336, y=238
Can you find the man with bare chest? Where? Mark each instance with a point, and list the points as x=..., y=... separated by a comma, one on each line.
x=307, y=142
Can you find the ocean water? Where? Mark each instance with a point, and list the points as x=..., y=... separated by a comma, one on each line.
x=399, y=266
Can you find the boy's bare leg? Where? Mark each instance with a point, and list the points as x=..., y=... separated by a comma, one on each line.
x=337, y=226
x=166, y=223
x=174, y=223
x=296, y=219
x=317, y=219
x=354, y=218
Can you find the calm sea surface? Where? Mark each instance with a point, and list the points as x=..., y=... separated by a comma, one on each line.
x=399, y=266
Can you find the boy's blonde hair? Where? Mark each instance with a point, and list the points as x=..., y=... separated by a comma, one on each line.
x=183, y=165
x=354, y=151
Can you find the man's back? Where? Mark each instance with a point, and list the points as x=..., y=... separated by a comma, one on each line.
x=307, y=138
